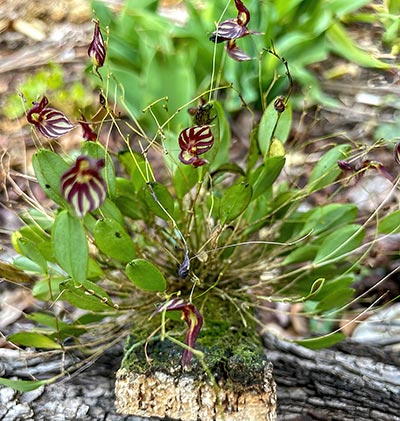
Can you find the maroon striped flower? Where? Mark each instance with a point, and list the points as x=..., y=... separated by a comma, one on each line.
x=360, y=168
x=49, y=122
x=193, y=142
x=232, y=29
x=83, y=186
x=97, y=48
x=192, y=317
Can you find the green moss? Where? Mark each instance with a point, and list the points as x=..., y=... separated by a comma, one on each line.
x=233, y=353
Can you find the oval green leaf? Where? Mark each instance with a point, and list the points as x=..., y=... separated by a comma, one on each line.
x=145, y=275
x=49, y=167
x=340, y=242
x=266, y=174
x=159, y=200
x=112, y=239
x=70, y=246
x=235, y=201
x=390, y=224
x=87, y=296
x=326, y=170
x=36, y=340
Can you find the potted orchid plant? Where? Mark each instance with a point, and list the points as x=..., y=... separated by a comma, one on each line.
x=151, y=230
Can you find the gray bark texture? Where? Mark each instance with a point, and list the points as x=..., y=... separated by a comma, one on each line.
x=349, y=382
x=88, y=396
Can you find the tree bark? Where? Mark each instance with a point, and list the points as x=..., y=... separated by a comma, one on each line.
x=351, y=381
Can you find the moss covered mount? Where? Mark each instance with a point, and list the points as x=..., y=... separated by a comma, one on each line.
x=243, y=386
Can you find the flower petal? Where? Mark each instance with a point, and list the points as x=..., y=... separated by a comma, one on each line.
x=227, y=30
x=236, y=53
x=53, y=123
x=243, y=13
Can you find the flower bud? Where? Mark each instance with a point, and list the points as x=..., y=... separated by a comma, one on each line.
x=97, y=48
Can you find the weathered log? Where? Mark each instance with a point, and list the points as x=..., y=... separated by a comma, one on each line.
x=348, y=382
x=351, y=381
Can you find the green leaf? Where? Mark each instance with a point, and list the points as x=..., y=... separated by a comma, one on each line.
x=49, y=167
x=253, y=152
x=335, y=299
x=47, y=290
x=266, y=174
x=33, y=339
x=25, y=264
x=112, y=239
x=342, y=7
x=303, y=253
x=390, y=224
x=273, y=124
x=31, y=251
x=145, y=275
x=70, y=246
x=321, y=342
x=345, y=47
x=330, y=216
x=185, y=177
x=110, y=210
x=125, y=196
x=159, y=200
x=340, y=242
x=136, y=166
x=235, y=201
x=87, y=296
x=47, y=320
x=23, y=385
x=327, y=170
x=222, y=138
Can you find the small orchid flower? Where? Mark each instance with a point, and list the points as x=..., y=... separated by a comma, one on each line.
x=47, y=121
x=83, y=186
x=360, y=168
x=232, y=29
x=192, y=317
x=193, y=142
x=97, y=48
x=88, y=133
